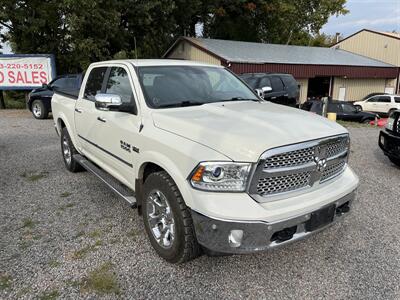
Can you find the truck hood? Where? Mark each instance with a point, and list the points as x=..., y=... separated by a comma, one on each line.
x=243, y=130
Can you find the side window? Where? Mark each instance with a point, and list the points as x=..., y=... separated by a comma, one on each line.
x=94, y=83
x=277, y=84
x=348, y=108
x=118, y=83
x=373, y=99
x=333, y=107
x=265, y=82
x=397, y=99
x=289, y=80
x=384, y=99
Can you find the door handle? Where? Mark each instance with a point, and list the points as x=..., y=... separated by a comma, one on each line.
x=78, y=110
x=101, y=119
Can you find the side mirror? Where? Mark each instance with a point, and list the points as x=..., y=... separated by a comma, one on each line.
x=45, y=86
x=266, y=89
x=107, y=101
x=260, y=93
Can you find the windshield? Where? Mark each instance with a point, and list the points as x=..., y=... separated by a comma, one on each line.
x=175, y=86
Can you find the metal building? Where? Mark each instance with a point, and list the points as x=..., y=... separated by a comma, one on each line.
x=319, y=71
x=383, y=46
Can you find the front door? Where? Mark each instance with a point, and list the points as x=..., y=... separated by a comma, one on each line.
x=120, y=128
x=371, y=104
x=278, y=93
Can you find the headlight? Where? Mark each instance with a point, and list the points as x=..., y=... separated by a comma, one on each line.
x=390, y=123
x=221, y=176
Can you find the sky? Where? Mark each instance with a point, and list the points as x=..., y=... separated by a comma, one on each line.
x=381, y=15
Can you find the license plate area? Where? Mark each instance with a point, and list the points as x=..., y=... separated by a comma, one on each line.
x=320, y=218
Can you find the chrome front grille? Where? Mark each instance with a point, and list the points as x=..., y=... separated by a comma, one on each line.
x=284, y=183
x=298, y=167
x=290, y=159
x=332, y=171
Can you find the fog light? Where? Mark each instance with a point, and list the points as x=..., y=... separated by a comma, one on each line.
x=235, y=238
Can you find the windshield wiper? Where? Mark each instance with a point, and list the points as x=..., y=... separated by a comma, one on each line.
x=181, y=104
x=242, y=99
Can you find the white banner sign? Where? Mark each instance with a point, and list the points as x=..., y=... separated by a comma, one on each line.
x=25, y=71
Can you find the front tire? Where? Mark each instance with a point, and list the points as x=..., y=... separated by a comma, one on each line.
x=396, y=161
x=167, y=220
x=39, y=110
x=68, y=150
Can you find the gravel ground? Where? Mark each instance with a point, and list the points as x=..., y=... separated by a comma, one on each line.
x=66, y=235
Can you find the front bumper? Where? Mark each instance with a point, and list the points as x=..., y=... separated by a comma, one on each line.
x=390, y=144
x=227, y=236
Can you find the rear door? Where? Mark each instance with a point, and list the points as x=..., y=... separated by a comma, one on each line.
x=384, y=104
x=87, y=125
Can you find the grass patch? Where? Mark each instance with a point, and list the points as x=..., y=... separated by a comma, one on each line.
x=49, y=295
x=5, y=281
x=81, y=253
x=64, y=207
x=54, y=263
x=95, y=234
x=28, y=223
x=65, y=194
x=79, y=234
x=34, y=176
x=102, y=280
x=132, y=234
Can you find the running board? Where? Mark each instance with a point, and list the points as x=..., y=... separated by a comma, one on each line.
x=121, y=190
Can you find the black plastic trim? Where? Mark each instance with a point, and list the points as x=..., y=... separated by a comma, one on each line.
x=106, y=151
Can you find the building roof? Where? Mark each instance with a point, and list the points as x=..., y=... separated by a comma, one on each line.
x=385, y=33
x=259, y=53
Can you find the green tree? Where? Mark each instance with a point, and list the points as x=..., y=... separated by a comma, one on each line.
x=272, y=21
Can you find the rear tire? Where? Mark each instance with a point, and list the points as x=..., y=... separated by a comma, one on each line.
x=167, y=220
x=39, y=110
x=395, y=161
x=358, y=107
x=391, y=110
x=68, y=150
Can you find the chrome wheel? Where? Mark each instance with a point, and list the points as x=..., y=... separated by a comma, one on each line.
x=66, y=150
x=160, y=219
x=37, y=110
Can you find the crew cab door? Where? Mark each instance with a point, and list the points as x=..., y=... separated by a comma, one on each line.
x=371, y=104
x=278, y=93
x=384, y=104
x=120, y=127
x=86, y=114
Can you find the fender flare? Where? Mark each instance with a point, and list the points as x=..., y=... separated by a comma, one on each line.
x=170, y=167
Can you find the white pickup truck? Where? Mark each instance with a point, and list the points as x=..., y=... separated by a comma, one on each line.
x=210, y=165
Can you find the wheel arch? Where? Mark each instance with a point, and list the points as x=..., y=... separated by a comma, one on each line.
x=155, y=163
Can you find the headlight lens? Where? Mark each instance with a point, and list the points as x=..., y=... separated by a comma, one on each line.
x=221, y=176
x=390, y=123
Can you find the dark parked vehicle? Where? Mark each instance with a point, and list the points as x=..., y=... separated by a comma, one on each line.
x=389, y=138
x=276, y=87
x=39, y=100
x=345, y=111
